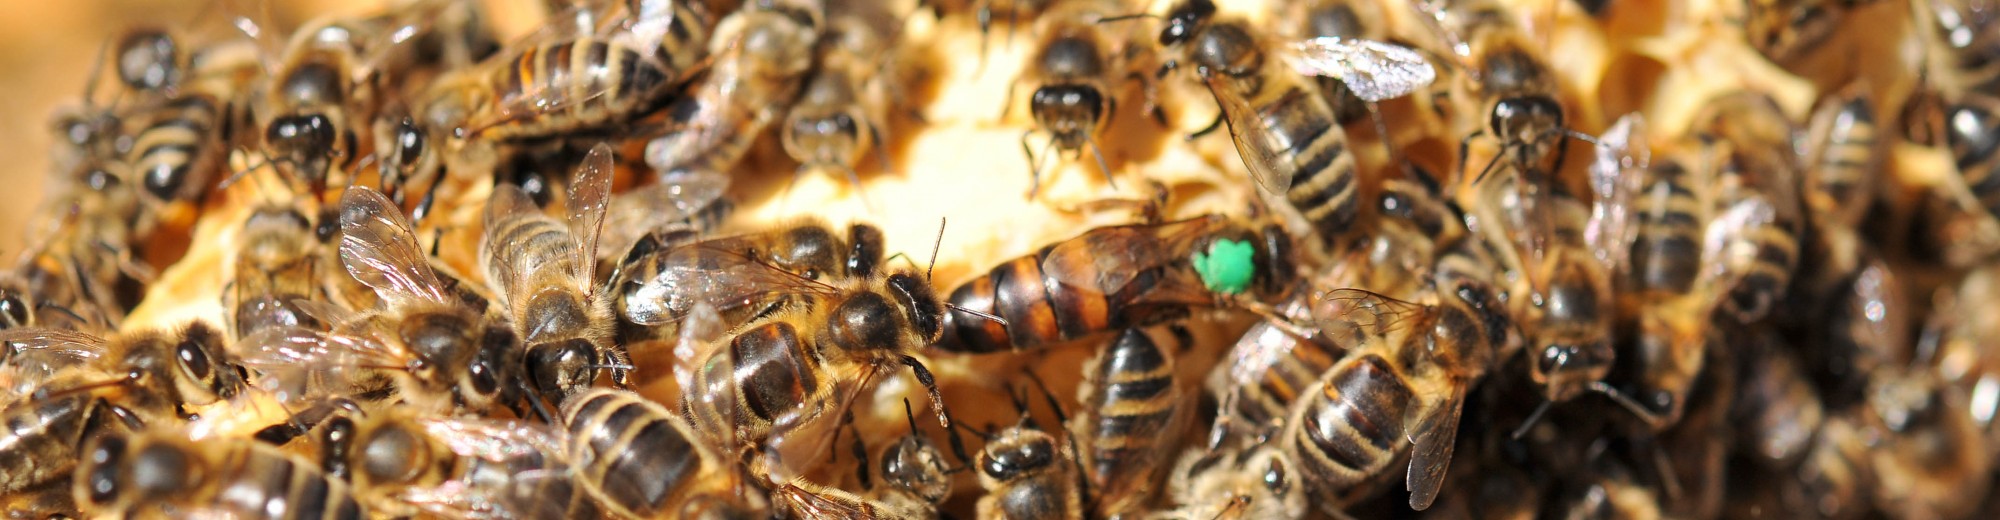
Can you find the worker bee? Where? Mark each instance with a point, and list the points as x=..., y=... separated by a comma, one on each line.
x=1518, y=92
x=564, y=78
x=1347, y=20
x=1259, y=481
x=843, y=107
x=1777, y=410
x=1843, y=158
x=162, y=472
x=1115, y=277
x=640, y=460
x=1786, y=30
x=1026, y=471
x=1076, y=71
x=1962, y=30
x=914, y=481
x=544, y=271
x=316, y=84
x=1133, y=412
x=277, y=262
x=1955, y=342
x=1755, y=138
x=654, y=273
x=178, y=152
x=762, y=54
x=1415, y=400
x=426, y=345
x=83, y=384
x=1286, y=134
x=399, y=463
x=1930, y=460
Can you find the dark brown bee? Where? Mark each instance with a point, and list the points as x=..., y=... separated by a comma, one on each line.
x=1132, y=414
x=913, y=481
x=1115, y=277
x=653, y=270
x=762, y=54
x=1345, y=19
x=1026, y=471
x=1759, y=165
x=399, y=463
x=1260, y=481
x=162, y=472
x=544, y=272
x=1076, y=72
x=1786, y=30
x=1961, y=30
x=308, y=118
x=843, y=107
x=180, y=149
x=1843, y=158
x=425, y=345
x=1955, y=341
x=84, y=385
x=1968, y=133
x=640, y=460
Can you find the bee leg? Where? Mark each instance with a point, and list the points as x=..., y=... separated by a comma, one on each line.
x=1099, y=152
x=1204, y=131
x=105, y=418
x=930, y=385
x=1034, y=170
x=860, y=451
x=430, y=197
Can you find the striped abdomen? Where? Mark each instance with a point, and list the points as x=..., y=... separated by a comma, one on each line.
x=770, y=373
x=41, y=439
x=686, y=39
x=711, y=137
x=637, y=458
x=1353, y=428
x=1038, y=311
x=1132, y=414
x=258, y=481
x=1324, y=187
x=563, y=86
x=1843, y=164
x=1270, y=368
x=175, y=155
x=532, y=259
x=1666, y=244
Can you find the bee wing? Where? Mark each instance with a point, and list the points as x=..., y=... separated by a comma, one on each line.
x=825, y=502
x=286, y=358
x=497, y=440
x=1436, y=435
x=1728, y=248
x=324, y=312
x=381, y=252
x=1106, y=259
x=1262, y=151
x=1264, y=345
x=1616, y=177
x=35, y=354
x=715, y=272
x=1373, y=70
x=1352, y=317
x=589, y=197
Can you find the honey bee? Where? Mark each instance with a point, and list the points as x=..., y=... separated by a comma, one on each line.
x=1517, y=90
x=426, y=345
x=563, y=79
x=1026, y=471
x=1347, y=20
x=1414, y=400
x=1955, y=342
x=762, y=55
x=83, y=385
x=316, y=85
x=276, y=263
x=1786, y=30
x=1076, y=70
x=1969, y=141
x=1962, y=30
x=1286, y=134
x=640, y=460
x=843, y=107
x=1260, y=481
x=1755, y=136
x=1843, y=158
x=178, y=152
x=399, y=463
x=544, y=271
x=654, y=273
x=1778, y=411
x=1133, y=412
x=1929, y=461
x=161, y=472
x=1115, y=277
x=914, y=482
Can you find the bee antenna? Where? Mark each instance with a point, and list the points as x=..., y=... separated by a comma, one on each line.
x=934, y=249
x=238, y=174
x=1628, y=403
x=981, y=315
x=534, y=397
x=1099, y=153
x=1048, y=396
x=958, y=443
x=1128, y=17
x=1522, y=431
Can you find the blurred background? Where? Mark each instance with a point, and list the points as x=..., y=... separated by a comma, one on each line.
x=47, y=50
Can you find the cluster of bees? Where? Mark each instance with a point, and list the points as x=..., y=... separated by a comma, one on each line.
x=1454, y=282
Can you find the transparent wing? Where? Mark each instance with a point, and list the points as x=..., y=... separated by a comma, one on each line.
x=589, y=197
x=292, y=362
x=1374, y=70
x=719, y=273
x=508, y=203
x=1354, y=317
x=655, y=207
x=1264, y=345
x=497, y=440
x=647, y=23
x=1436, y=435
x=821, y=502
x=35, y=354
x=1728, y=246
x=381, y=252
x=323, y=312
x=1617, y=175
x=1263, y=152
x=1105, y=259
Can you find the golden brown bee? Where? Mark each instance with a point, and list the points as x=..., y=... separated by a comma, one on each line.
x=426, y=345
x=84, y=384
x=161, y=472
x=1115, y=277
x=1412, y=401
x=309, y=108
x=400, y=463
x=843, y=107
x=1076, y=70
x=1260, y=481
x=1026, y=471
x=1285, y=133
x=1843, y=158
x=655, y=271
x=277, y=262
x=178, y=152
x=544, y=272
x=1965, y=34
x=762, y=54
x=1132, y=415
x=1754, y=137
x=641, y=461
x=1786, y=30
x=1344, y=19
x=563, y=78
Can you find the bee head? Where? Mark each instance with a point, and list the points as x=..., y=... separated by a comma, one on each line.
x=1070, y=111
x=206, y=373
x=926, y=311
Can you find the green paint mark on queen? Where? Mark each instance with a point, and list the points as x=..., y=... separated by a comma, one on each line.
x=1226, y=268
